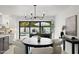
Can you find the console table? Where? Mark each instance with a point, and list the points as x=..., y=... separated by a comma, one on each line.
x=73, y=42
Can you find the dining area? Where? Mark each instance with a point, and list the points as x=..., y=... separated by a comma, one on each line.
x=44, y=46
x=36, y=37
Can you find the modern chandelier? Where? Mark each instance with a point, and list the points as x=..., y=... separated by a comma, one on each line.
x=34, y=16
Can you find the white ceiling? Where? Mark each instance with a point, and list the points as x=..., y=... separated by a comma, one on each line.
x=20, y=10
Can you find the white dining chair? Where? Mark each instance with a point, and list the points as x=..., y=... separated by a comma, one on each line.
x=57, y=48
x=16, y=48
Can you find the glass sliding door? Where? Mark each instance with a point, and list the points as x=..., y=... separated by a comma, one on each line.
x=34, y=28
x=46, y=29
x=23, y=29
x=31, y=28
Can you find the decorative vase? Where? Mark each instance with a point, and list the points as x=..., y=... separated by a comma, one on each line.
x=39, y=39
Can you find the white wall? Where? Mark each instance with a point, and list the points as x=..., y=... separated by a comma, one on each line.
x=60, y=19
x=59, y=22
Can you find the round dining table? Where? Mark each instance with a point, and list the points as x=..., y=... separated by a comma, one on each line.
x=33, y=42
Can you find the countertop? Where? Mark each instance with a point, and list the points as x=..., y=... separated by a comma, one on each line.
x=3, y=35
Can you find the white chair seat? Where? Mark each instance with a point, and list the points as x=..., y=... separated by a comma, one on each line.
x=44, y=50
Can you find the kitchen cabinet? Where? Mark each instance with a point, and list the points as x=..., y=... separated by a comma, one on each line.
x=4, y=44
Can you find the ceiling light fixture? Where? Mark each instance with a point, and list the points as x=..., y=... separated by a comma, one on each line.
x=34, y=16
